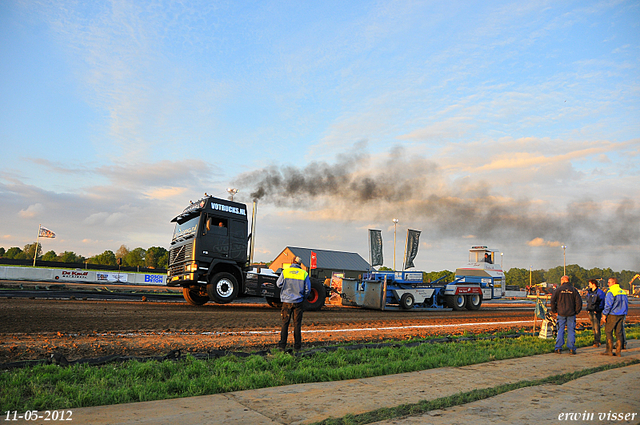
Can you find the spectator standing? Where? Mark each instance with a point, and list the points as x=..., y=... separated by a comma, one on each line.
x=595, y=305
x=294, y=287
x=567, y=303
x=616, y=307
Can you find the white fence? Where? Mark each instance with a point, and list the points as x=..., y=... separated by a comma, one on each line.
x=80, y=276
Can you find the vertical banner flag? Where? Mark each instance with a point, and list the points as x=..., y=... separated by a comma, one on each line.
x=375, y=247
x=46, y=233
x=413, y=243
x=313, y=263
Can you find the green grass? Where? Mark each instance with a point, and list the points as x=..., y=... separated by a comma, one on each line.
x=49, y=387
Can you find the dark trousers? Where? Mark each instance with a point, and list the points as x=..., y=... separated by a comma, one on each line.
x=614, y=323
x=596, y=317
x=291, y=311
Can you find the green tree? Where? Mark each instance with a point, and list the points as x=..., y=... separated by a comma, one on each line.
x=70, y=257
x=30, y=249
x=13, y=252
x=448, y=276
x=107, y=258
x=50, y=256
x=135, y=258
x=2, y=251
x=155, y=257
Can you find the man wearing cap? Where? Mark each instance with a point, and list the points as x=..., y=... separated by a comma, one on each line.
x=567, y=303
x=616, y=307
x=294, y=287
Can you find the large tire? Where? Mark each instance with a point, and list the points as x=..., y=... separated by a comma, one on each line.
x=194, y=296
x=316, y=298
x=274, y=302
x=223, y=288
x=474, y=301
x=456, y=302
x=407, y=301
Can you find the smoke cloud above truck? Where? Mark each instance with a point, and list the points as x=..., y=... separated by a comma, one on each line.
x=357, y=187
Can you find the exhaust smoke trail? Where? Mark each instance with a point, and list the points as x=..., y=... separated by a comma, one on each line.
x=414, y=189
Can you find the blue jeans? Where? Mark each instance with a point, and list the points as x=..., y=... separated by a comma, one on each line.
x=570, y=323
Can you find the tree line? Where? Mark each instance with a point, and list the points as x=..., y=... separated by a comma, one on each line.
x=155, y=257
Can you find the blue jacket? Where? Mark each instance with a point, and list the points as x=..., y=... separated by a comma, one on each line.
x=616, y=302
x=294, y=284
x=595, y=300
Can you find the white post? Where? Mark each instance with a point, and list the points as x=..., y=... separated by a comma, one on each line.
x=36, y=248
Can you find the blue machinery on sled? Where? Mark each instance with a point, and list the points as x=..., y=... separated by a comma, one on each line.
x=481, y=279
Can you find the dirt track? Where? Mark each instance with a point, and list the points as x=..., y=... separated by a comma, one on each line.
x=33, y=328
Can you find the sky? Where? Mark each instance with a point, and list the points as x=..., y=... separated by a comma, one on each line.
x=509, y=124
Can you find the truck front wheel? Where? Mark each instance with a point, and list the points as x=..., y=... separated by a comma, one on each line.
x=474, y=301
x=223, y=288
x=456, y=302
x=194, y=296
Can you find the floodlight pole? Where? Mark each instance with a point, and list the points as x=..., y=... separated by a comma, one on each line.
x=395, y=224
x=564, y=254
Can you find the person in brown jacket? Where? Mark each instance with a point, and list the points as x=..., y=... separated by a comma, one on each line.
x=567, y=303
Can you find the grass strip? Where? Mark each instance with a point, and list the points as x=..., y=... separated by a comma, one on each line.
x=424, y=406
x=51, y=387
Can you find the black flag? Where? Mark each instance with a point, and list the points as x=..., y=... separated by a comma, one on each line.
x=375, y=247
x=410, y=252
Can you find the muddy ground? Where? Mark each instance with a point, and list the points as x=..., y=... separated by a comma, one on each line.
x=36, y=328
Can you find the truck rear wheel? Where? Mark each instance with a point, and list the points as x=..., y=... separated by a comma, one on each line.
x=456, y=302
x=407, y=301
x=316, y=297
x=194, y=297
x=474, y=301
x=223, y=288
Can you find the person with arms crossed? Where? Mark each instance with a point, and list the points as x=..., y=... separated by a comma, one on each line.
x=595, y=305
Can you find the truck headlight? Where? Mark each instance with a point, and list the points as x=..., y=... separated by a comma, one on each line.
x=192, y=267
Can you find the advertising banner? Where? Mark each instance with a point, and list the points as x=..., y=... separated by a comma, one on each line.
x=375, y=247
x=112, y=277
x=410, y=252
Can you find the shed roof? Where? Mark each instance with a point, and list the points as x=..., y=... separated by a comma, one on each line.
x=332, y=260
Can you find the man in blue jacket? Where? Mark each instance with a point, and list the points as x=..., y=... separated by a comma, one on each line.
x=616, y=307
x=294, y=287
x=595, y=305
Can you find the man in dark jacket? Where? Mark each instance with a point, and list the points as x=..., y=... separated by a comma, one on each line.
x=567, y=303
x=595, y=305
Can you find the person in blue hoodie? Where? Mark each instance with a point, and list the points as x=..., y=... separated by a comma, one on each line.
x=294, y=287
x=616, y=307
x=595, y=305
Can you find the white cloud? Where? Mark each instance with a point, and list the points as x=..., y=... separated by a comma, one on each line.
x=32, y=211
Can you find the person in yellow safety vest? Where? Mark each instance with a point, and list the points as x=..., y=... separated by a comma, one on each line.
x=616, y=307
x=294, y=287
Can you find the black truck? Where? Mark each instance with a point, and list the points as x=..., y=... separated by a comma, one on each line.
x=208, y=257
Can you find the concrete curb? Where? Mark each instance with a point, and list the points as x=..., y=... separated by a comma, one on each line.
x=307, y=403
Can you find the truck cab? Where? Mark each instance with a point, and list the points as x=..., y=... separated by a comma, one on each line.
x=208, y=253
x=485, y=269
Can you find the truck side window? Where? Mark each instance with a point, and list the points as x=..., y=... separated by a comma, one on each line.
x=217, y=226
x=238, y=229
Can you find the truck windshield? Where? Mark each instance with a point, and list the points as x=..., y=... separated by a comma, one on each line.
x=186, y=228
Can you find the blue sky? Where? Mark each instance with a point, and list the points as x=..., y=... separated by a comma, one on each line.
x=509, y=124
